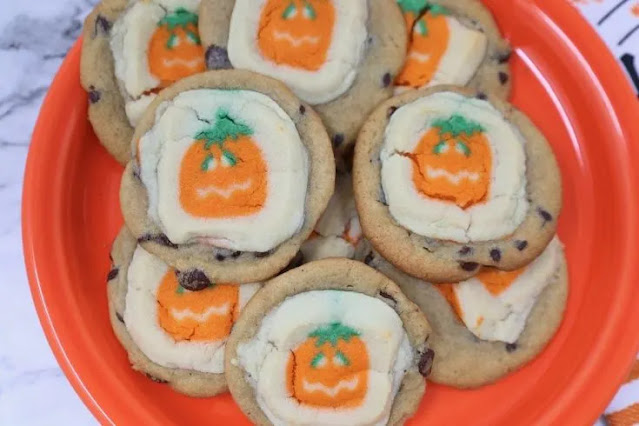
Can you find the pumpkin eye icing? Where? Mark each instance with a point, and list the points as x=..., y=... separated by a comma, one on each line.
x=172, y=42
x=309, y=11
x=290, y=11
x=421, y=28
x=318, y=360
x=228, y=159
x=209, y=163
x=341, y=359
x=441, y=148
x=462, y=148
x=193, y=38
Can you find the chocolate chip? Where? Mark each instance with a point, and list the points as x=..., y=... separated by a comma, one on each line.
x=503, y=77
x=220, y=257
x=465, y=250
x=217, y=58
x=193, y=279
x=94, y=95
x=504, y=57
x=112, y=274
x=295, y=262
x=547, y=217
x=469, y=266
x=482, y=96
x=159, y=239
x=261, y=254
x=495, y=255
x=391, y=111
x=302, y=109
x=156, y=379
x=426, y=362
x=387, y=296
x=521, y=244
x=387, y=79
x=119, y=317
x=369, y=258
x=236, y=254
x=102, y=25
x=338, y=139
x=510, y=347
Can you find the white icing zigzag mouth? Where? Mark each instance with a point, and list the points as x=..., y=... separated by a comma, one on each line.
x=419, y=57
x=181, y=314
x=331, y=391
x=226, y=193
x=177, y=61
x=295, y=41
x=454, y=178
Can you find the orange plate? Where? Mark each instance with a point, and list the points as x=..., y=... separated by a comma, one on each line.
x=565, y=79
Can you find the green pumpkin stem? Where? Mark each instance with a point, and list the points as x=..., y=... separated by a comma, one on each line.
x=333, y=333
x=224, y=128
x=457, y=124
x=179, y=18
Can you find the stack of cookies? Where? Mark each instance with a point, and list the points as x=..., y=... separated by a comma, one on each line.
x=325, y=202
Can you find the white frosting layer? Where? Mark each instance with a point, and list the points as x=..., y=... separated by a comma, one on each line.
x=287, y=326
x=315, y=87
x=503, y=317
x=338, y=230
x=141, y=318
x=505, y=206
x=130, y=38
x=164, y=146
x=465, y=52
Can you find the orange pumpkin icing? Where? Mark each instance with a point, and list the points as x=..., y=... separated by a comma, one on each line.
x=329, y=369
x=205, y=315
x=448, y=291
x=175, y=50
x=429, y=36
x=496, y=281
x=297, y=33
x=453, y=161
x=223, y=173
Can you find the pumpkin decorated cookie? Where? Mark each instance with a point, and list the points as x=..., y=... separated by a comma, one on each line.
x=453, y=42
x=132, y=50
x=338, y=233
x=331, y=342
x=448, y=179
x=173, y=325
x=340, y=56
x=231, y=173
x=489, y=325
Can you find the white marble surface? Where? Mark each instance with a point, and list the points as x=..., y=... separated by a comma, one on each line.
x=34, y=37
